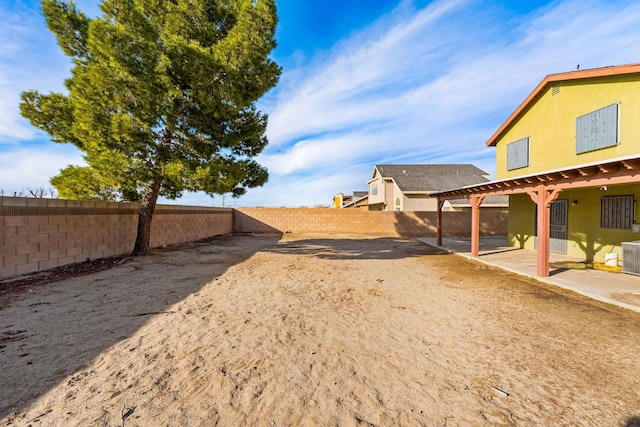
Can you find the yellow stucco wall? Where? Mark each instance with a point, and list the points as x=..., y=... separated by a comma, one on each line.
x=586, y=239
x=521, y=226
x=550, y=124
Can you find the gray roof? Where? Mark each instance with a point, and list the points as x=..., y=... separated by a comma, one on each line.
x=433, y=177
x=358, y=194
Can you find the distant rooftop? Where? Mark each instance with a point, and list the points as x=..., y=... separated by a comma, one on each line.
x=437, y=177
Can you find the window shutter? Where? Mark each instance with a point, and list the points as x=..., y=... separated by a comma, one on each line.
x=598, y=129
x=518, y=154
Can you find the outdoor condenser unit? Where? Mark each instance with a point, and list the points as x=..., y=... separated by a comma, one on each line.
x=631, y=257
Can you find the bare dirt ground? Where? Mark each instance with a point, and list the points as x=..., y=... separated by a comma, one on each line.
x=309, y=330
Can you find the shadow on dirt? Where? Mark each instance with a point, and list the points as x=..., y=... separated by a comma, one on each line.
x=632, y=422
x=41, y=344
x=357, y=248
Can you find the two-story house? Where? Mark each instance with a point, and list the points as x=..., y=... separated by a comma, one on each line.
x=357, y=200
x=569, y=158
x=407, y=187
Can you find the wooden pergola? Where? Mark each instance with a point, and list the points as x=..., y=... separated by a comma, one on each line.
x=543, y=188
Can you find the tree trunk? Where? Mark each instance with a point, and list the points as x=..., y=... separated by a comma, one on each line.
x=145, y=216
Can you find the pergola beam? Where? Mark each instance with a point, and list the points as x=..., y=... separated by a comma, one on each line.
x=543, y=189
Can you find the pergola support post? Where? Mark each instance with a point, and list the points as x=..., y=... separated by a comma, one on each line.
x=543, y=198
x=475, y=201
x=439, y=222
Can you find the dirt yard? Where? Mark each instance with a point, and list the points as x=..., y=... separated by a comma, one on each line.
x=306, y=330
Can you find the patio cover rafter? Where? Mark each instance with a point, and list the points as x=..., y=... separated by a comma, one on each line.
x=621, y=171
x=543, y=188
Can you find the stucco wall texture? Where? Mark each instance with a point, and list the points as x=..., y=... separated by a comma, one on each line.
x=550, y=123
x=40, y=234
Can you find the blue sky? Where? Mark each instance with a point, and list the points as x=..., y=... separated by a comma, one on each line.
x=363, y=83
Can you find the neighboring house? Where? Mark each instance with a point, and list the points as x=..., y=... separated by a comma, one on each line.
x=496, y=203
x=358, y=200
x=355, y=200
x=407, y=187
x=569, y=158
x=338, y=200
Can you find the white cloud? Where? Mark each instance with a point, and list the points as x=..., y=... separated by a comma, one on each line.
x=317, y=153
x=432, y=86
x=309, y=190
x=425, y=85
x=29, y=59
x=34, y=166
x=359, y=81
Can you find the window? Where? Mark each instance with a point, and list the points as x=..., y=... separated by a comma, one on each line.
x=374, y=189
x=518, y=154
x=616, y=212
x=598, y=129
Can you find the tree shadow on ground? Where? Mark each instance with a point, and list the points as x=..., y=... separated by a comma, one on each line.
x=45, y=344
x=632, y=422
x=357, y=248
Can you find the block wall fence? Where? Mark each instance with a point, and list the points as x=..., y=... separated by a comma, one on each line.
x=40, y=234
x=360, y=221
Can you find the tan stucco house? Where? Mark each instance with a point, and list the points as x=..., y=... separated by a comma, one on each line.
x=407, y=187
x=356, y=200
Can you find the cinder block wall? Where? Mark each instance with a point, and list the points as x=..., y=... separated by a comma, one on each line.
x=39, y=234
x=358, y=221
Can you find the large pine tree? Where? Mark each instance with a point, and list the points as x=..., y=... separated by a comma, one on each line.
x=161, y=98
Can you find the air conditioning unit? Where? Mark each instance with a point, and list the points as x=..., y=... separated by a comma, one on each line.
x=631, y=257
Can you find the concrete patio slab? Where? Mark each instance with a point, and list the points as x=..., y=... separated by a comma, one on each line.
x=616, y=288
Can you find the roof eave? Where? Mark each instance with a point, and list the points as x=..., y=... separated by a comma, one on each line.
x=552, y=78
